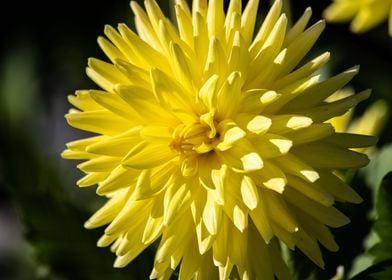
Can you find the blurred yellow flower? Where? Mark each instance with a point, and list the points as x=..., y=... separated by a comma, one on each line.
x=213, y=142
x=365, y=14
x=370, y=123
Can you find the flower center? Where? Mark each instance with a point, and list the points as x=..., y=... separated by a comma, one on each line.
x=194, y=139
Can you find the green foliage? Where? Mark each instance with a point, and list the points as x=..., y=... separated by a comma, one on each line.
x=379, y=271
x=383, y=226
x=382, y=250
x=380, y=164
x=52, y=211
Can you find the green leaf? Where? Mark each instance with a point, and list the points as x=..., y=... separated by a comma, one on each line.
x=379, y=271
x=380, y=164
x=381, y=251
x=383, y=225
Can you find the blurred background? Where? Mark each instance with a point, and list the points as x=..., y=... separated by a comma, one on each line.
x=43, y=54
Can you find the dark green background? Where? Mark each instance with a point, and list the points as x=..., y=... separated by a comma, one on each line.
x=43, y=54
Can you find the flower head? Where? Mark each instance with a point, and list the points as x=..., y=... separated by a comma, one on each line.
x=370, y=123
x=365, y=14
x=214, y=142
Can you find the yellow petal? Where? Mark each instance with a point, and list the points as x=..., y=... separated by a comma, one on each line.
x=237, y=250
x=271, y=176
x=136, y=76
x=147, y=155
x=99, y=164
x=312, y=133
x=234, y=206
x=268, y=51
x=321, y=155
x=327, y=215
x=200, y=37
x=72, y=154
x=251, y=161
x=190, y=261
x=318, y=230
x=216, y=59
x=325, y=112
x=229, y=134
x=173, y=238
x=298, y=27
x=279, y=212
x=118, y=145
x=119, y=178
x=208, y=92
x=313, y=191
x=220, y=246
x=272, y=145
x=168, y=92
x=132, y=252
x=305, y=71
x=341, y=10
x=266, y=27
x=319, y=92
x=110, y=50
x=81, y=145
x=309, y=247
x=287, y=123
x=184, y=21
x=102, y=122
x=161, y=177
x=369, y=17
x=248, y=20
x=294, y=166
x=108, y=212
x=212, y=214
x=130, y=217
x=215, y=18
x=249, y=192
x=229, y=95
x=176, y=200
x=106, y=240
x=147, y=56
x=242, y=157
x=255, y=124
x=121, y=44
x=349, y=140
x=260, y=218
x=390, y=22
x=254, y=100
x=92, y=178
x=143, y=26
x=234, y=10
x=339, y=189
x=182, y=67
x=220, y=179
x=153, y=229
x=83, y=101
x=146, y=109
x=299, y=47
x=288, y=238
x=257, y=250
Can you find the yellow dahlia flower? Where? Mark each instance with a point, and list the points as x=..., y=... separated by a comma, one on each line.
x=213, y=142
x=370, y=123
x=365, y=14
